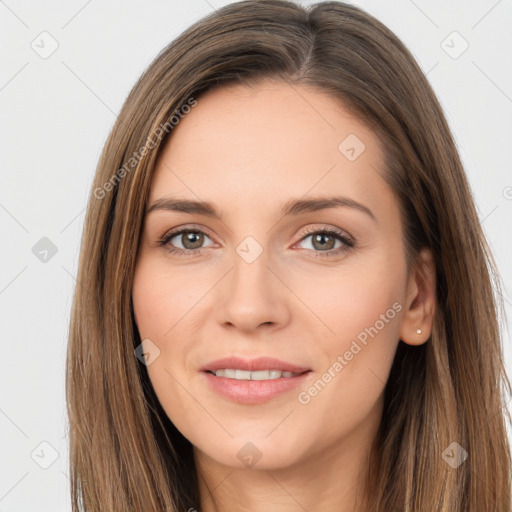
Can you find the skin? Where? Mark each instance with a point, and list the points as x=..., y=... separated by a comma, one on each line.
x=249, y=151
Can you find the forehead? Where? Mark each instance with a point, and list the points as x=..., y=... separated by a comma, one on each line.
x=258, y=146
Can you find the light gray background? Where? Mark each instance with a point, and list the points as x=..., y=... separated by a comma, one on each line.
x=56, y=113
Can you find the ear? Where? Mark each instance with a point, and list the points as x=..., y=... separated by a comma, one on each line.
x=420, y=300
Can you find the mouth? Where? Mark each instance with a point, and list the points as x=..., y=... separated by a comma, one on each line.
x=253, y=381
x=261, y=368
x=238, y=374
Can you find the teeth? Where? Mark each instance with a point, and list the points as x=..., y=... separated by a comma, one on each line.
x=247, y=375
x=242, y=375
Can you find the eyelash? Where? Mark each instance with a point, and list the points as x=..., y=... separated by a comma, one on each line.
x=338, y=234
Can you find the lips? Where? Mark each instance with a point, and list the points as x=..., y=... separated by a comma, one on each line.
x=253, y=381
x=254, y=365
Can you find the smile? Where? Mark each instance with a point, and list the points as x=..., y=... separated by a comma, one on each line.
x=257, y=375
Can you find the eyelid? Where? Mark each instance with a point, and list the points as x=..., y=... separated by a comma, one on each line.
x=187, y=227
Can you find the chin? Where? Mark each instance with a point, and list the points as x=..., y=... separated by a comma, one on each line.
x=259, y=453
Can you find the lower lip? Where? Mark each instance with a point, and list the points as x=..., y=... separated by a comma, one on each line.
x=253, y=391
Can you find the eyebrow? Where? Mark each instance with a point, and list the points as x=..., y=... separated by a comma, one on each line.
x=291, y=207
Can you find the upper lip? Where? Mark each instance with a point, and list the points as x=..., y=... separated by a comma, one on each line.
x=253, y=365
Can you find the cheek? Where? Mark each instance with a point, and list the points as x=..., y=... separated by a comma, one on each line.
x=164, y=302
x=363, y=312
x=348, y=388
x=158, y=309
x=358, y=297
x=161, y=299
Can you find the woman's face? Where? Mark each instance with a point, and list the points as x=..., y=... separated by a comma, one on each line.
x=280, y=165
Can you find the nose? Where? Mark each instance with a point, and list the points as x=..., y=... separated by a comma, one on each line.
x=253, y=294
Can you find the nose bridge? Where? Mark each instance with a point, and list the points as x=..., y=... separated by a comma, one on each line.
x=251, y=268
x=253, y=294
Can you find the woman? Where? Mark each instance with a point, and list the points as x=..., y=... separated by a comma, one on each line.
x=285, y=296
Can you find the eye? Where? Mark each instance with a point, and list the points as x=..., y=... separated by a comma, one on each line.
x=191, y=241
x=323, y=241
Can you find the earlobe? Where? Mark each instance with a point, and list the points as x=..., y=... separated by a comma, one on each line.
x=418, y=317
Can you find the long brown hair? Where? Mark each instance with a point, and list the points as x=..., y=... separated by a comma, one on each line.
x=125, y=453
